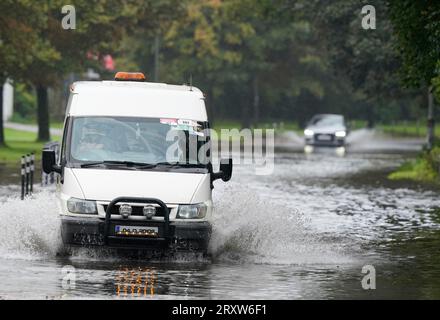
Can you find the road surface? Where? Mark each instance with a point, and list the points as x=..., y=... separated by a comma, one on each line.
x=304, y=232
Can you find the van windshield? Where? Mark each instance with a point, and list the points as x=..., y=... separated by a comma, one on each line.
x=147, y=141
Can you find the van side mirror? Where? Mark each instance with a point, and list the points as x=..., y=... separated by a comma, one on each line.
x=226, y=169
x=49, y=162
x=225, y=172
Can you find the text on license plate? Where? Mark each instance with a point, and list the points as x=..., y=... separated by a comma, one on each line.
x=140, y=231
x=324, y=137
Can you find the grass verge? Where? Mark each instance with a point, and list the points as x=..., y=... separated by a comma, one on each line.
x=57, y=124
x=407, y=129
x=19, y=143
x=423, y=169
x=279, y=127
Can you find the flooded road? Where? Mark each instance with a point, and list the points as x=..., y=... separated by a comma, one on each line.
x=304, y=232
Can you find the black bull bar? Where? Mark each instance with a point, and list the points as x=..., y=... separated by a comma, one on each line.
x=166, y=227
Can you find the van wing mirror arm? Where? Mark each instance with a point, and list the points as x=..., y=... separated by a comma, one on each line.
x=225, y=172
x=217, y=175
x=57, y=168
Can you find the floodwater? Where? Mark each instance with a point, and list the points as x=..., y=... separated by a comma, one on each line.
x=303, y=232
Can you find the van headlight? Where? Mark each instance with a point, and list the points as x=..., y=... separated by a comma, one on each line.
x=192, y=211
x=81, y=206
x=340, y=134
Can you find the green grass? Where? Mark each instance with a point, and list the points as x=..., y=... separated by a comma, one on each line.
x=407, y=129
x=417, y=170
x=423, y=169
x=278, y=126
x=19, y=143
x=225, y=124
x=57, y=125
x=357, y=124
x=16, y=118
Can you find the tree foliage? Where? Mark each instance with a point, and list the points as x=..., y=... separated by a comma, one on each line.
x=36, y=49
x=253, y=54
x=255, y=59
x=20, y=41
x=417, y=27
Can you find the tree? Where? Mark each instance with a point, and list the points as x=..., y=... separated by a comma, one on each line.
x=141, y=49
x=417, y=28
x=249, y=56
x=100, y=24
x=416, y=25
x=2, y=135
x=100, y=27
x=19, y=21
x=34, y=47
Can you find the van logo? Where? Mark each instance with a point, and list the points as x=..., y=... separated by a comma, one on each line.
x=125, y=210
x=149, y=211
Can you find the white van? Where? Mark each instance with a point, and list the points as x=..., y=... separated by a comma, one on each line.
x=126, y=180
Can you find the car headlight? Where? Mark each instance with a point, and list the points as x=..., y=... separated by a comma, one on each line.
x=81, y=206
x=192, y=211
x=340, y=134
x=308, y=132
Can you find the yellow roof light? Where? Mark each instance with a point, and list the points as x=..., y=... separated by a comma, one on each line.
x=130, y=76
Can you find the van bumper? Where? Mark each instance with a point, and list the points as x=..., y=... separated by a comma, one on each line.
x=78, y=231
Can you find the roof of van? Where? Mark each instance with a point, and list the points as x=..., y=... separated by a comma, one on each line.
x=136, y=99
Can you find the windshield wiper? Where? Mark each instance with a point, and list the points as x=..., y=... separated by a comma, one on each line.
x=118, y=163
x=141, y=165
x=179, y=165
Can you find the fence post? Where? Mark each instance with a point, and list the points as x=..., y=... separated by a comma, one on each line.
x=27, y=172
x=32, y=171
x=22, y=177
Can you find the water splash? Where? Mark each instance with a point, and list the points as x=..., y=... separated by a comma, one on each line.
x=251, y=227
x=30, y=227
x=31, y=231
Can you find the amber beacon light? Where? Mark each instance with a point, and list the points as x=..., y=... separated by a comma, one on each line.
x=130, y=76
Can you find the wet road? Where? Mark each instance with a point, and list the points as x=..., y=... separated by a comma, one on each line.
x=303, y=232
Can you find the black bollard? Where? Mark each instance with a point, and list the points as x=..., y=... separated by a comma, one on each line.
x=32, y=172
x=22, y=178
x=27, y=173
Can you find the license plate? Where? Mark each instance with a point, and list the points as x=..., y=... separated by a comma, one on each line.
x=137, y=231
x=324, y=137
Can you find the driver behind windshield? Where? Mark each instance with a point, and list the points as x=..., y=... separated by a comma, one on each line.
x=93, y=143
x=141, y=140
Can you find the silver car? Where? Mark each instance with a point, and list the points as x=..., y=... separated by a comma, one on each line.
x=326, y=130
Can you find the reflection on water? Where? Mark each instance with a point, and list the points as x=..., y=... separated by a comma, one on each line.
x=138, y=282
x=339, y=151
